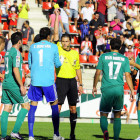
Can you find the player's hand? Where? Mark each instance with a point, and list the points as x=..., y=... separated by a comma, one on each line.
x=131, y=61
x=94, y=91
x=23, y=90
x=80, y=90
x=132, y=96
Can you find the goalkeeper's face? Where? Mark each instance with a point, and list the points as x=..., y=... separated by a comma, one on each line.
x=65, y=43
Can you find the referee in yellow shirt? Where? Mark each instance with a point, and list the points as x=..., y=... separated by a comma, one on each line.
x=66, y=83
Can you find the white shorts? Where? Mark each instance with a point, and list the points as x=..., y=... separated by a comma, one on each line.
x=20, y=22
x=137, y=31
x=111, y=17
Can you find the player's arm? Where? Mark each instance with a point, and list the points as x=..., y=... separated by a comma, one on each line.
x=135, y=64
x=134, y=76
x=18, y=78
x=56, y=34
x=130, y=84
x=58, y=62
x=128, y=78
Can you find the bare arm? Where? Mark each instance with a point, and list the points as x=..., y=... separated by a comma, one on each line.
x=96, y=77
x=32, y=36
x=68, y=4
x=49, y=23
x=114, y=24
x=96, y=6
x=79, y=74
x=56, y=35
x=62, y=25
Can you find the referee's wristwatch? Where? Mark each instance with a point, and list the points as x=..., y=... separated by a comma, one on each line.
x=81, y=85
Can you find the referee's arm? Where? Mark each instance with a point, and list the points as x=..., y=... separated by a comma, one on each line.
x=56, y=34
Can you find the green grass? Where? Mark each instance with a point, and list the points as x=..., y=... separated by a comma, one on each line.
x=44, y=131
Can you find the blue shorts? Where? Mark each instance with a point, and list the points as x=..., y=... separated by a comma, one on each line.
x=36, y=93
x=74, y=13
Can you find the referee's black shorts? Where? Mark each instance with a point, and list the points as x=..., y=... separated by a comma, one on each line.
x=67, y=87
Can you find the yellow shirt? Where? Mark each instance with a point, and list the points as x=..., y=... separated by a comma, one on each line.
x=70, y=64
x=136, y=23
x=24, y=12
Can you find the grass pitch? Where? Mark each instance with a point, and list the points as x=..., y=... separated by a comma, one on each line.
x=44, y=131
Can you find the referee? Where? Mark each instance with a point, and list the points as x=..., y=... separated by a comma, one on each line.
x=66, y=83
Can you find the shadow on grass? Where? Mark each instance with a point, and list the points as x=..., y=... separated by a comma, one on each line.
x=101, y=136
x=25, y=136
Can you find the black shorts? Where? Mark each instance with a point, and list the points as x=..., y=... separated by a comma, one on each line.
x=67, y=87
x=100, y=48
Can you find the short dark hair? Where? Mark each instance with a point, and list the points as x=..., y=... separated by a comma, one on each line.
x=110, y=28
x=115, y=44
x=85, y=20
x=44, y=33
x=66, y=35
x=2, y=0
x=100, y=25
x=128, y=23
x=86, y=36
x=27, y=22
x=96, y=13
x=15, y=37
x=37, y=38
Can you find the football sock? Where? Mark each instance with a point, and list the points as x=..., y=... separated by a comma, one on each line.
x=55, y=119
x=117, y=128
x=73, y=119
x=31, y=119
x=4, y=123
x=139, y=117
x=20, y=118
x=103, y=123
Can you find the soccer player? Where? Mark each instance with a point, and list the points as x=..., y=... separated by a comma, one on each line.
x=66, y=83
x=136, y=68
x=43, y=56
x=113, y=65
x=13, y=91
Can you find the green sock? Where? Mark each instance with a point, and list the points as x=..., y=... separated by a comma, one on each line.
x=4, y=123
x=20, y=118
x=103, y=123
x=139, y=117
x=117, y=128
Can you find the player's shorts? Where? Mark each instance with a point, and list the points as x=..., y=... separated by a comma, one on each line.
x=67, y=87
x=26, y=47
x=112, y=97
x=36, y=93
x=100, y=48
x=13, y=97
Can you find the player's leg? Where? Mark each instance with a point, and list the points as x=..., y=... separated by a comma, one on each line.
x=117, y=124
x=51, y=96
x=4, y=116
x=73, y=98
x=106, y=104
x=31, y=117
x=34, y=94
x=104, y=124
x=20, y=119
x=97, y=50
x=117, y=106
x=4, y=120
